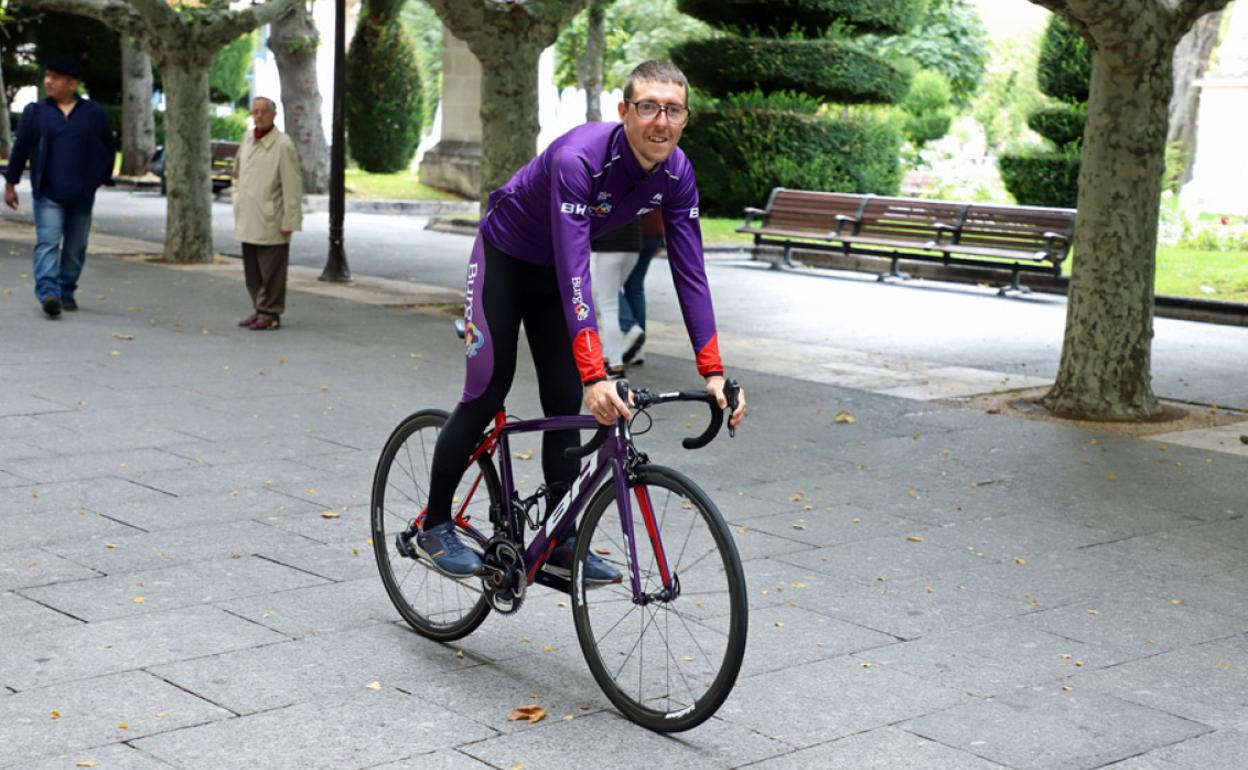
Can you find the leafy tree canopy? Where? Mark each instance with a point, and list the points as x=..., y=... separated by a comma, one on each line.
x=950, y=39
x=228, y=77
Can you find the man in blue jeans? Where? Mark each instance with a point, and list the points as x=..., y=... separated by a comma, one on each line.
x=69, y=143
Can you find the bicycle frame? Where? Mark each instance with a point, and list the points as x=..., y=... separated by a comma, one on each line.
x=611, y=459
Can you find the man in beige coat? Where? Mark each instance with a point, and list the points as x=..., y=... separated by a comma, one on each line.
x=268, y=207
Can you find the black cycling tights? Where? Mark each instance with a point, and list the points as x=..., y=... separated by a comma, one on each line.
x=509, y=291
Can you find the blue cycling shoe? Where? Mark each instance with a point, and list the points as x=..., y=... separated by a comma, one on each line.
x=448, y=554
x=597, y=571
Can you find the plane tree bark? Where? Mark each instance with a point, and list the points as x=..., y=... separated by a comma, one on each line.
x=182, y=38
x=293, y=39
x=1106, y=363
x=138, y=124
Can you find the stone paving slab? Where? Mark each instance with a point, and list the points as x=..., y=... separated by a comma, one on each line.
x=114, y=756
x=52, y=527
x=1138, y=622
x=1082, y=730
x=184, y=585
x=27, y=567
x=1224, y=748
x=363, y=731
x=319, y=609
x=1207, y=683
x=167, y=512
x=715, y=744
x=993, y=658
x=882, y=559
x=885, y=748
x=806, y=705
x=19, y=615
x=781, y=637
x=111, y=646
x=436, y=760
x=75, y=495
x=78, y=716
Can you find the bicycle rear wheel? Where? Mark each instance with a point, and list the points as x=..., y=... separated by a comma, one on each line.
x=668, y=664
x=437, y=606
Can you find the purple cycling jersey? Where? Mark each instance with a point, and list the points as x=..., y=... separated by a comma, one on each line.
x=586, y=183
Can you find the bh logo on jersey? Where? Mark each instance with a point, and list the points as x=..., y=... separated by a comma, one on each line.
x=474, y=339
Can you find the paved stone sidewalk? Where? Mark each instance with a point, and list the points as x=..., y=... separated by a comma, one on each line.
x=930, y=588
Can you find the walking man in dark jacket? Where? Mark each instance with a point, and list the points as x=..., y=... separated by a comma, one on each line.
x=69, y=143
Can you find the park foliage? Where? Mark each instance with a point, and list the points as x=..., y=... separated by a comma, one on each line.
x=763, y=121
x=1050, y=176
x=385, y=105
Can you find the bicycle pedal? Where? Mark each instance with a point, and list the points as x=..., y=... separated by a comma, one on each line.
x=404, y=546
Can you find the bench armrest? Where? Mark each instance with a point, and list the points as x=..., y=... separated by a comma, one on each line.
x=1056, y=244
x=941, y=229
x=842, y=219
x=751, y=214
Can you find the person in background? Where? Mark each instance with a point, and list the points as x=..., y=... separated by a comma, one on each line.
x=69, y=143
x=268, y=207
x=633, y=296
x=612, y=258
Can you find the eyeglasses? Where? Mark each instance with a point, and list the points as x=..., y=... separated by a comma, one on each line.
x=676, y=115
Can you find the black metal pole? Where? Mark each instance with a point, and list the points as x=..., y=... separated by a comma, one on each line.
x=336, y=269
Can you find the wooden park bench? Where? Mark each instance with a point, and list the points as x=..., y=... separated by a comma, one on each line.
x=1014, y=238
x=224, y=154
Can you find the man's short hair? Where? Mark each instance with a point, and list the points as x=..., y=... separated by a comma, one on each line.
x=272, y=104
x=655, y=71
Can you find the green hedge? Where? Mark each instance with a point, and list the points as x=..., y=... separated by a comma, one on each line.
x=810, y=17
x=1064, y=70
x=384, y=101
x=1061, y=124
x=1042, y=178
x=741, y=154
x=832, y=70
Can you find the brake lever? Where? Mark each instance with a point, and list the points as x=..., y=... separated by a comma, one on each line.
x=732, y=392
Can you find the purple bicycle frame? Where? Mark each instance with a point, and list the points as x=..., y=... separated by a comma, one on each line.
x=611, y=458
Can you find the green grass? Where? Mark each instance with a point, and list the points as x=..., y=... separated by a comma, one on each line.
x=401, y=186
x=1181, y=270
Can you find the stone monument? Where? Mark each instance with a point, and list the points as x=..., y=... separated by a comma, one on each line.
x=454, y=163
x=1221, y=163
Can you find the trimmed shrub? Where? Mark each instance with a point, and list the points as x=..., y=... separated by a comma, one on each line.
x=1040, y=178
x=833, y=70
x=384, y=103
x=229, y=128
x=1061, y=124
x=811, y=18
x=1065, y=68
x=741, y=154
x=929, y=115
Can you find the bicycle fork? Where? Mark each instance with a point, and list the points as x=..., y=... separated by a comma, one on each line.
x=671, y=582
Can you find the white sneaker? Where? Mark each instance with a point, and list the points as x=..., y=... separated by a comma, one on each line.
x=634, y=338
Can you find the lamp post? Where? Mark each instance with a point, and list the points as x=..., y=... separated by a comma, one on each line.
x=336, y=269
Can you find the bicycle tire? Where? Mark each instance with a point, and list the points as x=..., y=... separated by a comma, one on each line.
x=691, y=708
x=386, y=523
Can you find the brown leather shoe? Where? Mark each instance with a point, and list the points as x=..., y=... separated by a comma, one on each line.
x=266, y=323
x=249, y=320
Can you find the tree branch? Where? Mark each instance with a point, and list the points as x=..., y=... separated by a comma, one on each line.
x=1188, y=11
x=116, y=14
x=462, y=19
x=231, y=25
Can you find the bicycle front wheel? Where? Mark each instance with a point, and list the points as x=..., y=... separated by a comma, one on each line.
x=435, y=605
x=669, y=660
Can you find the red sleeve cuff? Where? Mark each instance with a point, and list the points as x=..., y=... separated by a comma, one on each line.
x=708, y=358
x=587, y=351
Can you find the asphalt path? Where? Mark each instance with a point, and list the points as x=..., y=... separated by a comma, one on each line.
x=949, y=324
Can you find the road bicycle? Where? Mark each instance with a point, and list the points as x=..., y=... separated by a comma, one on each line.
x=665, y=643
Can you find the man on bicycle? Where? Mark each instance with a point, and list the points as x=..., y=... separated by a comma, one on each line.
x=531, y=262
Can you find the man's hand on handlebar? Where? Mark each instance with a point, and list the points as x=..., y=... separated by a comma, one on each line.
x=715, y=386
x=604, y=403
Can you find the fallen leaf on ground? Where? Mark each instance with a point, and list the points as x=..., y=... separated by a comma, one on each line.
x=373, y=685
x=548, y=648
x=330, y=514
x=602, y=551
x=123, y=725
x=855, y=520
x=311, y=490
x=459, y=654
x=86, y=763
x=531, y=714
x=915, y=538
x=1112, y=477
x=56, y=715
x=140, y=600
x=1094, y=612
x=844, y=417
x=1020, y=561
x=124, y=337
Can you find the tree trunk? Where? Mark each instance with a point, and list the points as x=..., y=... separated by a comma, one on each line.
x=509, y=124
x=6, y=130
x=138, y=124
x=188, y=229
x=1191, y=60
x=595, y=58
x=1105, y=370
x=293, y=39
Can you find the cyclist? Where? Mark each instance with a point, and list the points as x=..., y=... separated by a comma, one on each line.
x=531, y=263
